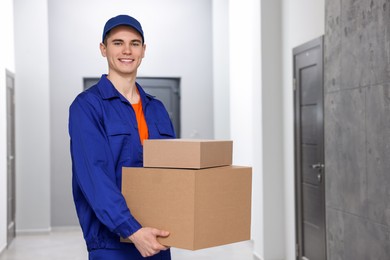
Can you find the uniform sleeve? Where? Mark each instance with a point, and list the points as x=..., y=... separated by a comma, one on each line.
x=94, y=169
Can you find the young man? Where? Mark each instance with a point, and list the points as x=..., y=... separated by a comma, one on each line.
x=107, y=126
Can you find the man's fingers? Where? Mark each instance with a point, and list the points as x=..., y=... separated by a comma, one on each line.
x=162, y=247
x=160, y=233
x=146, y=243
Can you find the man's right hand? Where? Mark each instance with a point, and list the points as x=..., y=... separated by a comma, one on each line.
x=145, y=240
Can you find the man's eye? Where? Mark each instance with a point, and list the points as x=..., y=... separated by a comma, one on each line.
x=135, y=44
x=117, y=43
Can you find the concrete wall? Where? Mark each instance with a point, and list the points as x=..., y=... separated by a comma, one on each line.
x=7, y=62
x=357, y=129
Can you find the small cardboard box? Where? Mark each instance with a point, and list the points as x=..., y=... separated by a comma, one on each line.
x=200, y=208
x=187, y=153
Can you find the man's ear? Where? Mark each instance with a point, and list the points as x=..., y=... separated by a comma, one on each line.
x=103, y=49
x=143, y=51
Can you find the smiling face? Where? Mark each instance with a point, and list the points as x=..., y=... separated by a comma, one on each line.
x=124, y=51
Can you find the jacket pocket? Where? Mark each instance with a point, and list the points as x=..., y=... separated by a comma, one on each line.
x=118, y=129
x=120, y=139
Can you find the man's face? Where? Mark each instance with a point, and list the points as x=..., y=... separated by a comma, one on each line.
x=124, y=51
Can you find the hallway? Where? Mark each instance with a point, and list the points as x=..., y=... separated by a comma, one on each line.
x=69, y=245
x=234, y=62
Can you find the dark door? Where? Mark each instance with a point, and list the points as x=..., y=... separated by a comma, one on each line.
x=167, y=90
x=309, y=150
x=11, y=203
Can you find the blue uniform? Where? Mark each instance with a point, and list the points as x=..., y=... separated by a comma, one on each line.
x=103, y=138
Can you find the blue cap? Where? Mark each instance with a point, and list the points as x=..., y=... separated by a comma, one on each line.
x=122, y=20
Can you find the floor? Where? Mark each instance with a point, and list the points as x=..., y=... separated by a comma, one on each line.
x=69, y=245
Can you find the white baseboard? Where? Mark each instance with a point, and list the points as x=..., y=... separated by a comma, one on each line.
x=256, y=256
x=32, y=231
x=47, y=230
x=65, y=229
x=2, y=249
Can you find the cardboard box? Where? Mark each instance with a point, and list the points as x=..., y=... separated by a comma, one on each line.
x=186, y=153
x=200, y=208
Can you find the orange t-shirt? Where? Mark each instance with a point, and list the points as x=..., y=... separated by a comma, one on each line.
x=142, y=126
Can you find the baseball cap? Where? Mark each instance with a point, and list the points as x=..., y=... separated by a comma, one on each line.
x=122, y=20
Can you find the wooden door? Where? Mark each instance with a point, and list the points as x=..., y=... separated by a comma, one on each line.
x=309, y=150
x=11, y=181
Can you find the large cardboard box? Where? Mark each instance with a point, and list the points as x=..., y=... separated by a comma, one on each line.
x=200, y=208
x=187, y=153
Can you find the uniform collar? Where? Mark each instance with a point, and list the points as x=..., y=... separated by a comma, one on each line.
x=108, y=91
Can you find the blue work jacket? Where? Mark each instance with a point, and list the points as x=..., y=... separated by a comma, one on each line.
x=104, y=137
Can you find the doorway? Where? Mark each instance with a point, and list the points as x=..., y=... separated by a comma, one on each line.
x=309, y=150
x=11, y=180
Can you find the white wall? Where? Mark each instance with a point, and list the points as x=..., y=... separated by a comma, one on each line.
x=272, y=126
x=221, y=86
x=178, y=37
x=245, y=102
x=6, y=63
x=248, y=98
x=32, y=116
x=261, y=108
x=3, y=146
x=303, y=20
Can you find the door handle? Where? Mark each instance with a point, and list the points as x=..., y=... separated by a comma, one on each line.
x=319, y=177
x=318, y=166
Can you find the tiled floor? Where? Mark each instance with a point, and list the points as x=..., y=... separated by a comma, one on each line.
x=69, y=245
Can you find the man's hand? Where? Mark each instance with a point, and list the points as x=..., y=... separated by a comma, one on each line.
x=145, y=240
